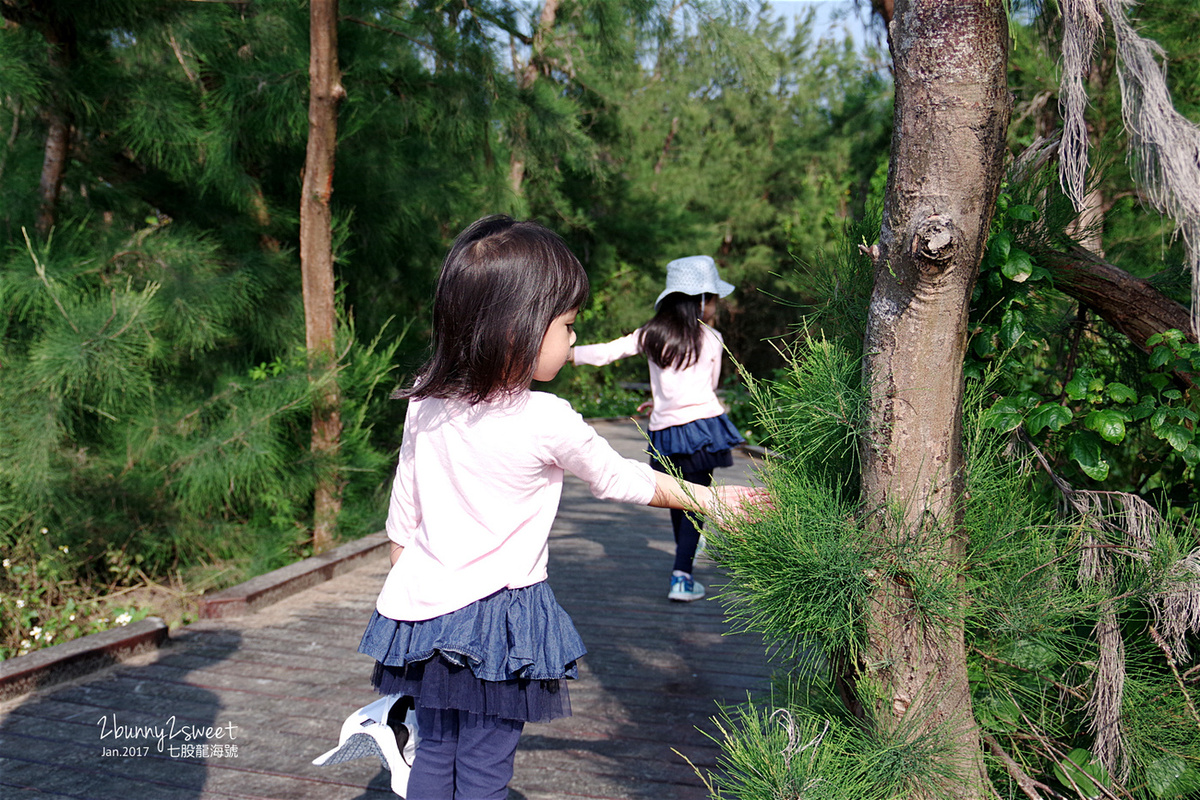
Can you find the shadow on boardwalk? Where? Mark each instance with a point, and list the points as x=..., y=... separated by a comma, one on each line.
x=275, y=686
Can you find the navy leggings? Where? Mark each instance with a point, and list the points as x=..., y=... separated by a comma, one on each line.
x=684, y=525
x=462, y=756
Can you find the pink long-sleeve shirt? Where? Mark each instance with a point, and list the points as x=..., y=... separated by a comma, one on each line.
x=476, y=490
x=680, y=395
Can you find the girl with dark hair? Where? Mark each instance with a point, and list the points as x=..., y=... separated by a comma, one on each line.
x=466, y=624
x=688, y=426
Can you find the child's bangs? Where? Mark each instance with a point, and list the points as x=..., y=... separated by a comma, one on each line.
x=574, y=289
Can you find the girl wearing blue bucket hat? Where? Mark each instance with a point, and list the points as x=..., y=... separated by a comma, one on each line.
x=688, y=425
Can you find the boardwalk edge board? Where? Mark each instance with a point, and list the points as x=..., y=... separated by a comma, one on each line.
x=68, y=660
x=62, y=662
x=257, y=593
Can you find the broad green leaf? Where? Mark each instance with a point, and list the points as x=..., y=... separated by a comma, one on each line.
x=1031, y=655
x=997, y=712
x=1158, y=380
x=1177, y=436
x=1012, y=328
x=1028, y=399
x=1004, y=415
x=982, y=344
x=1173, y=394
x=1120, y=393
x=1000, y=246
x=1159, y=417
x=1083, y=771
x=1076, y=388
x=1144, y=408
x=1084, y=448
x=1108, y=422
x=1019, y=265
x=1171, y=777
x=1191, y=455
x=1022, y=212
x=1160, y=356
x=1048, y=415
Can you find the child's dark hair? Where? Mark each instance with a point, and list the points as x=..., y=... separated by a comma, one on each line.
x=672, y=338
x=502, y=284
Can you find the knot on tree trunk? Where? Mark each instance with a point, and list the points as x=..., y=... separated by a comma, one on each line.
x=935, y=242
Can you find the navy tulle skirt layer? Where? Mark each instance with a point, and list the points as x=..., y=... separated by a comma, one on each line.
x=508, y=655
x=699, y=446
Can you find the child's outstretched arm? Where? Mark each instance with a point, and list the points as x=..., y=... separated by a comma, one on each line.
x=712, y=501
x=599, y=355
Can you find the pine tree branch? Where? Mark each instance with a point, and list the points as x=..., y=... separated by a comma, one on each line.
x=431, y=48
x=1028, y=785
x=1054, y=752
x=1162, y=645
x=40, y=269
x=178, y=51
x=1060, y=686
x=526, y=40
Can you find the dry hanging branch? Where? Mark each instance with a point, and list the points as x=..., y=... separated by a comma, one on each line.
x=1122, y=516
x=1164, y=145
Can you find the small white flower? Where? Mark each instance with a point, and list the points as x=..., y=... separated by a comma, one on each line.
x=36, y=633
x=64, y=548
x=45, y=531
x=71, y=618
x=48, y=637
x=20, y=604
x=7, y=563
x=124, y=618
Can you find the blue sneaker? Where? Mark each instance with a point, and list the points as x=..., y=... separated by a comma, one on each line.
x=685, y=589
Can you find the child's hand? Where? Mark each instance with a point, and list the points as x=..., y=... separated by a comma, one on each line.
x=648, y=405
x=736, y=503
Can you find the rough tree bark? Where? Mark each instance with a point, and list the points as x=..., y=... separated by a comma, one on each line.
x=316, y=265
x=951, y=112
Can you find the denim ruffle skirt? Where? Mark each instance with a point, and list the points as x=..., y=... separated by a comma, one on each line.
x=508, y=656
x=699, y=446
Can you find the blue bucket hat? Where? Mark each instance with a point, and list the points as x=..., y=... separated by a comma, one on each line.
x=694, y=275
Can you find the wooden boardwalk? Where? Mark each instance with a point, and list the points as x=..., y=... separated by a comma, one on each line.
x=274, y=687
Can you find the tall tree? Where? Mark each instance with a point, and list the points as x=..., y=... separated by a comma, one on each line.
x=526, y=75
x=948, y=145
x=316, y=265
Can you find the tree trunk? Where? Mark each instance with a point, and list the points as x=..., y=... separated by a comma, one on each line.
x=54, y=164
x=62, y=38
x=316, y=265
x=525, y=80
x=951, y=112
